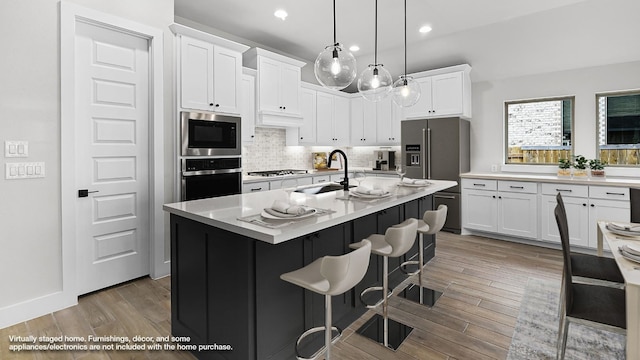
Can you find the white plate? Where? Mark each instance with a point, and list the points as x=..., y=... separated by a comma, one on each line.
x=629, y=256
x=622, y=232
x=631, y=250
x=266, y=215
x=369, y=196
x=413, y=185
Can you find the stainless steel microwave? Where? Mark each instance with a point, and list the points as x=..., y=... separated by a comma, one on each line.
x=208, y=134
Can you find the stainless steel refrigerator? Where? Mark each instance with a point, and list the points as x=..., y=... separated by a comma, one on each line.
x=438, y=149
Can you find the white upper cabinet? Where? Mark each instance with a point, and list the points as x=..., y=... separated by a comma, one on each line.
x=277, y=88
x=363, y=122
x=209, y=76
x=332, y=119
x=444, y=92
x=248, y=108
x=306, y=133
x=387, y=122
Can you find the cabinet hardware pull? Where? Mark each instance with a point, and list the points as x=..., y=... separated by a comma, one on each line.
x=256, y=189
x=499, y=197
x=217, y=105
x=516, y=187
x=566, y=190
x=494, y=196
x=584, y=204
x=444, y=197
x=592, y=205
x=210, y=104
x=479, y=184
x=612, y=193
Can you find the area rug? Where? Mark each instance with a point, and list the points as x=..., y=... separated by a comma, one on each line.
x=536, y=331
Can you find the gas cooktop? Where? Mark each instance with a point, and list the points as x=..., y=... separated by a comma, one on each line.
x=277, y=172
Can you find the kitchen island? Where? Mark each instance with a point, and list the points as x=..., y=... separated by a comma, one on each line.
x=226, y=291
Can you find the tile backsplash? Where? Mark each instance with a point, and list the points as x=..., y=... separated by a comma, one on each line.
x=269, y=152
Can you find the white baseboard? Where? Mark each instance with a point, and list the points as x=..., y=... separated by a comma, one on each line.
x=33, y=308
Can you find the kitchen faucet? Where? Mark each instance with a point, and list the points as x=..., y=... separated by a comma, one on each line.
x=345, y=182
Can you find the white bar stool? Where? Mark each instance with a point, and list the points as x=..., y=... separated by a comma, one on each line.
x=330, y=275
x=432, y=221
x=396, y=241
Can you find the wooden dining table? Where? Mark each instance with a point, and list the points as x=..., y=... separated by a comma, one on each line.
x=631, y=272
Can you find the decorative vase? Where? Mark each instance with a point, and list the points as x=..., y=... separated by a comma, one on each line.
x=580, y=173
x=564, y=172
x=597, y=173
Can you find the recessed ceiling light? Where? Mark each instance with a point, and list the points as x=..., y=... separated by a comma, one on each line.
x=354, y=48
x=280, y=14
x=425, y=29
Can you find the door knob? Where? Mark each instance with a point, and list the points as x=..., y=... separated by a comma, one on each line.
x=85, y=192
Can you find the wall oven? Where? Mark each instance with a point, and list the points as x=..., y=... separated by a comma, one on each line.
x=208, y=134
x=210, y=177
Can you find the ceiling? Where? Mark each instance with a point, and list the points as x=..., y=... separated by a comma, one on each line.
x=479, y=32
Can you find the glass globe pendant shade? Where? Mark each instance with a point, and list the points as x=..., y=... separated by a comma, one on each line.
x=335, y=67
x=375, y=83
x=406, y=91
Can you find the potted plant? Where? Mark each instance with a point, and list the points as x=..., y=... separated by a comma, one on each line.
x=597, y=167
x=564, y=167
x=580, y=166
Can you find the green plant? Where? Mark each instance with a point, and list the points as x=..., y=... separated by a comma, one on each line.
x=580, y=162
x=564, y=163
x=597, y=164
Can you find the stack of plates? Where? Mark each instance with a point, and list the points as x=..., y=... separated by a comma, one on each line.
x=625, y=229
x=369, y=196
x=630, y=253
x=269, y=213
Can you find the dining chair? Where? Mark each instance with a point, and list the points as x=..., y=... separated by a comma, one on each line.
x=597, y=306
x=590, y=269
x=634, y=200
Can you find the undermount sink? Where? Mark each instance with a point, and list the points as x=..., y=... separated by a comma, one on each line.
x=322, y=189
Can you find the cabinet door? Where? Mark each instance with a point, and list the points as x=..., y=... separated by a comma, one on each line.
x=357, y=122
x=341, y=120
x=255, y=187
x=479, y=210
x=268, y=85
x=196, y=74
x=577, y=218
x=447, y=94
x=248, y=108
x=324, y=119
x=423, y=107
x=606, y=210
x=369, y=117
x=290, y=88
x=307, y=132
x=227, y=72
x=385, y=123
x=518, y=214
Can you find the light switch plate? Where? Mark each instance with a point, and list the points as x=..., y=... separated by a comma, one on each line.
x=28, y=170
x=15, y=148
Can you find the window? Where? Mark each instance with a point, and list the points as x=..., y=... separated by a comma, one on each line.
x=619, y=128
x=539, y=131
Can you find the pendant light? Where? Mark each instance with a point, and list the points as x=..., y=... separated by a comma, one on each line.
x=335, y=67
x=406, y=91
x=375, y=81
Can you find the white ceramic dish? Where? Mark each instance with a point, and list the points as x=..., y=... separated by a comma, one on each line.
x=369, y=196
x=271, y=215
x=631, y=250
x=413, y=185
x=629, y=256
x=622, y=232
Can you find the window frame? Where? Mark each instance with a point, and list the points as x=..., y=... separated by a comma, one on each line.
x=571, y=98
x=597, y=113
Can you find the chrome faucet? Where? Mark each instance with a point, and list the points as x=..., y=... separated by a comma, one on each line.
x=345, y=182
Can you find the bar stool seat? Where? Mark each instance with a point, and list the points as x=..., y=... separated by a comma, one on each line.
x=397, y=240
x=432, y=221
x=328, y=276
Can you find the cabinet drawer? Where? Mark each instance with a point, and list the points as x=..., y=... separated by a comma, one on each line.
x=518, y=186
x=479, y=184
x=255, y=187
x=321, y=179
x=609, y=192
x=565, y=190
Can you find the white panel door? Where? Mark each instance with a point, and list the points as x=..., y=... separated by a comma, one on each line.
x=269, y=85
x=227, y=71
x=112, y=115
x=196, y=74
x=447, y=94
x=248, y=108
x=479, y=210
x=307, y=131
x=290, y=88
x=577, y=218
x=606, y=210
x=324, y=119
x=423, y=107
x=518, y=214
x=341, y=113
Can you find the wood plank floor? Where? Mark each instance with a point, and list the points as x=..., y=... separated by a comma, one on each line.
x=482, y=281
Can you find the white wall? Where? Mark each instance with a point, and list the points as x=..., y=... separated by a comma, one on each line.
x=487, y=124
x=30, y=231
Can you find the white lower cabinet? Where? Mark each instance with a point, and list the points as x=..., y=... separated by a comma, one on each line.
x=255, y=187
x=512, y=208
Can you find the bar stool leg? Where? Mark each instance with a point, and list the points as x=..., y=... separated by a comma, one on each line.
x=420, y=264
x=385, y=302
x=328, y=328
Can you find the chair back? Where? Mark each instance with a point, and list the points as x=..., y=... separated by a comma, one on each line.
x=435, y=219
x=345, y=271
x=563, y=229
x=401, y=237
x=634, y=199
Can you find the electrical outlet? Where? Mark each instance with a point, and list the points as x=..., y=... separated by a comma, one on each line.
x=14, y=148
x=494, y=168
x=29, y=170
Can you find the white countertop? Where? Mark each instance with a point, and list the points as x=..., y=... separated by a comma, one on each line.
x=607, y=181
x=223, y=212
x=252, y=178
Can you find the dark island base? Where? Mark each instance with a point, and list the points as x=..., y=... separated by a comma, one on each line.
x=226, y=288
